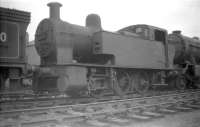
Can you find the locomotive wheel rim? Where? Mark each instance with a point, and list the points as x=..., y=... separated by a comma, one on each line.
x=124, y=82
x=141, y=83
x=181, y=83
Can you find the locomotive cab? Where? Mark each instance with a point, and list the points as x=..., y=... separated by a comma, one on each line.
x=146, y=32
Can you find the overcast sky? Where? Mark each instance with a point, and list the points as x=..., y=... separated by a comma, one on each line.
x=172, y=15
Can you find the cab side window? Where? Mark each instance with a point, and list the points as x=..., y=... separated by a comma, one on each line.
x=159, y=35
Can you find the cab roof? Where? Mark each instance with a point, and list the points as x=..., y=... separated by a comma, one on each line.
x=142, y=25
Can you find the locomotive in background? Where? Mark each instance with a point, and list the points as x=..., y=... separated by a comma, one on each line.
x=13, y=37
x=88, y=60
x=187, y=57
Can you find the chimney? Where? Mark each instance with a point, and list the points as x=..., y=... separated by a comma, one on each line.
x=176, y=32
x=54, y=8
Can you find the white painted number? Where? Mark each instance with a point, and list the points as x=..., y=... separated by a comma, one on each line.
x=3, y=37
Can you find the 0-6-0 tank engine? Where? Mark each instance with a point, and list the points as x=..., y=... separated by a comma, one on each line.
x=88, y=60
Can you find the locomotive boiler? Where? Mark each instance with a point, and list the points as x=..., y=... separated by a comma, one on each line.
x=86, y=60
x=13, y=38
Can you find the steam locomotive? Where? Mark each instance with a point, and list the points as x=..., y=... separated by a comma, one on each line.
x=82, y=60
x=87, y=60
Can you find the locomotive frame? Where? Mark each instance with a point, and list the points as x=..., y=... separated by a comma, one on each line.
x=96, y=80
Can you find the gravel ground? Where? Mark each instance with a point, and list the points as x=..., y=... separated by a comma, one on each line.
x=186, y=119
x=180, y=119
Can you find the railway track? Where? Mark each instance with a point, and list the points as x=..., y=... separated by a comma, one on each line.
x=102, y=114
x=25, y=101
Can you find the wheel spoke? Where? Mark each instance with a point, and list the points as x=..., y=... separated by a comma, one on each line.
x=93, y=88
x=121, y=83
x=140, y=83
x=181, y=83
x=124, y=82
